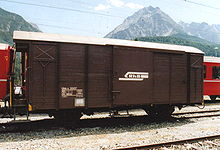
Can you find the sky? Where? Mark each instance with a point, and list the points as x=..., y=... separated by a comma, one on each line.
x=99, y=17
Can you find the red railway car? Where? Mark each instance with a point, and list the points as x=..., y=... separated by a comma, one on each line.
x=212, y=77
x=4, y=69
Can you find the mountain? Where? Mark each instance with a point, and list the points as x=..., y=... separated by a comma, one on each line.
x=10, y=22
x=148, y=21
x=191, y=38
x=203, y=30
x=209, y=48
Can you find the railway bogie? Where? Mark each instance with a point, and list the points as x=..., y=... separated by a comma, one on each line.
x=160, y=111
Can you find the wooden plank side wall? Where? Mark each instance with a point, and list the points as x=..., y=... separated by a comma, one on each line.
x=170, y=78
x=80, y=62
x=128, y=92
x=71, y=68
x=43, y=76
x=196, y=78
x=178, y=79
x=161, y=92
x=99, y=80
x=89, y=68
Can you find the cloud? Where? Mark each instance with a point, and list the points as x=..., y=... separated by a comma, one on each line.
x=134, y=6
x=102, y=7
x=120, y=3
x=116, y=3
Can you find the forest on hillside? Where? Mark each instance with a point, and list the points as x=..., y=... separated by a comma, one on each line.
x=209, y=48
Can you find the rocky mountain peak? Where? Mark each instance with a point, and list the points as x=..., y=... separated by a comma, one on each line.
x=203, y=30
x=150, y=9
x=148, y=21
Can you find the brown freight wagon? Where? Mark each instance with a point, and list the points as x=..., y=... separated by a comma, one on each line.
x=65, y=76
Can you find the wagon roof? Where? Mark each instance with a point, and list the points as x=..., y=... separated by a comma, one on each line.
x=38, y=36
x=212, y=59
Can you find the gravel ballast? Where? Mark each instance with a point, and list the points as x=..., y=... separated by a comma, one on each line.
x=114, y=137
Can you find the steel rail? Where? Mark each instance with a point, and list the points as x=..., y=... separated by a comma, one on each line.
x=166, y=144
x=196, y=112
x=203, y=116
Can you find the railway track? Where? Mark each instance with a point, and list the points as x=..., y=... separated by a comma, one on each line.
x=196, y=112
x=167, y=144
x=211, y=102
x=51, y=124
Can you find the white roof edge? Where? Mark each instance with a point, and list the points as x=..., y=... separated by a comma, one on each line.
x=3, y=46
x=39, y=36
x=212, y=59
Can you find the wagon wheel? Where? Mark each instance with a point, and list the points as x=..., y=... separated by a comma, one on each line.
x=5, y=112
x=213, y=97
x=1, y=113
x=68, y=118
x=160, y=112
